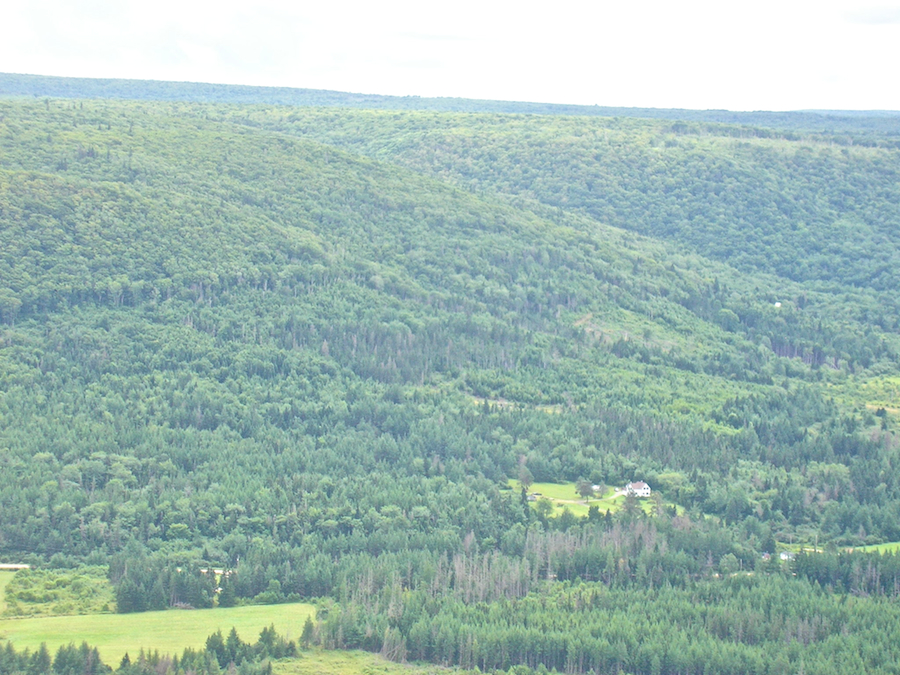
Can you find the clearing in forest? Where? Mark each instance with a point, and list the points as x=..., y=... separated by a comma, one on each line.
x=326, y=662
x=888, y=547
x=169, y=632
x=564, y=496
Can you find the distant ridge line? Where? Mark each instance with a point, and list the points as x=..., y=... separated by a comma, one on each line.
x=823, y=121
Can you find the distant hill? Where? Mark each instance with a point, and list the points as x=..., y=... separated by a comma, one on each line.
x=866, y=123
x=805, y=209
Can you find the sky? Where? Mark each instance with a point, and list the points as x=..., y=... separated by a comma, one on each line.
x=737, y=55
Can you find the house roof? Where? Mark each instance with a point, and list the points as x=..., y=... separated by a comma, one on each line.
x=639, y=485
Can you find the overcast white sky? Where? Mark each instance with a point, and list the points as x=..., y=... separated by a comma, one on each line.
x=759, y=55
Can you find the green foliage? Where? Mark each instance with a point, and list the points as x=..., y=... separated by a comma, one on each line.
x=800, y=208
x=39, y=592
x=170, y=631
x=219, y=654
x=736, y=625
x=154, y=584
x=311, y=348
x=43, y=86
x=341, y=333
x=69, y=660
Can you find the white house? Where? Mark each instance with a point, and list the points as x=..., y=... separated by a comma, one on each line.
x=638, y=489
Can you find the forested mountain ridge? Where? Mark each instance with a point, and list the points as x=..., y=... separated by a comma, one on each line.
x=803, y=209
x=286, y=347
x=112, y=208
x=285, y=210
x=883, y=125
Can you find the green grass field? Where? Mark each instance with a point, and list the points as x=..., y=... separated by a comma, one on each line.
x=555, y=491
x=890, y=547
x=169, y=632
x=565, y=496
x=322, y=662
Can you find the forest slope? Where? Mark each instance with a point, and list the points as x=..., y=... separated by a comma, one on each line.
x=804, y=209
x=175, y=283
x=874, y=123
x=227, y=342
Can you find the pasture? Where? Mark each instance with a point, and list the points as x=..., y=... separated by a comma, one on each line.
x=889, y=547
x=169, y=632
x=565, y=496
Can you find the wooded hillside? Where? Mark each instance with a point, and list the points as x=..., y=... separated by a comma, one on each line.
x=313, y=346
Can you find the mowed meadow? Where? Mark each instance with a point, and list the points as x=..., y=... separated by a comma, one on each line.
x=169, y=632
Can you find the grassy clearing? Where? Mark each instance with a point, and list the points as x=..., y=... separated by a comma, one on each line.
x=890, y=547
x=876, y=392
x=169, y=632
x=555, y=491
x=564, y=496
x=321, y=662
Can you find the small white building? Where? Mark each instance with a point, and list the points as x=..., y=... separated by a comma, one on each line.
x=638, y=489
